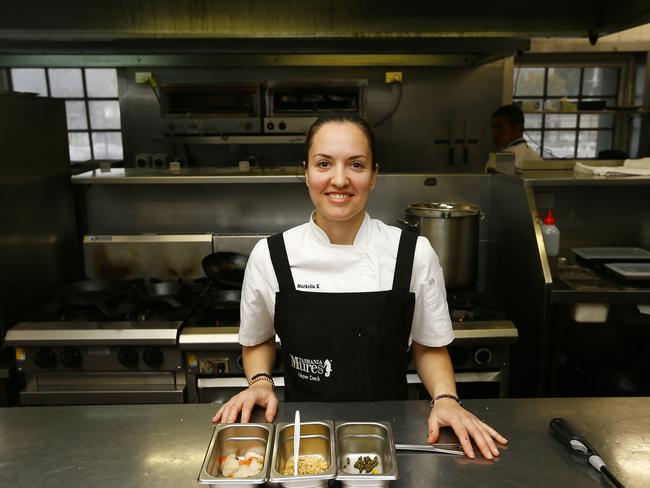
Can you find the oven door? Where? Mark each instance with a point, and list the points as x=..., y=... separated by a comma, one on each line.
x=220, y=390
x=104, y=388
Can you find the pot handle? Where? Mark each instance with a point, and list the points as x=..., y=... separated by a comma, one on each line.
x=481, y=215
x=408, y=224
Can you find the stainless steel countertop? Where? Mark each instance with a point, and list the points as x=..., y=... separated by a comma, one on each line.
x=163, y=445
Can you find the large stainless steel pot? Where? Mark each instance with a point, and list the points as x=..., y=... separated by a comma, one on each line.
x=452, y=230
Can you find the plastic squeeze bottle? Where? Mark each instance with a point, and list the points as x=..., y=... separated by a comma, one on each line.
x=551, y=235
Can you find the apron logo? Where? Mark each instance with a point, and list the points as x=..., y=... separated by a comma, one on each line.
x=309, y=286
x=311, y=369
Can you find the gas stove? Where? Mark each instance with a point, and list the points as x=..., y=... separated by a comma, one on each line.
x=105, y=343
x=115, y=341
x=68, y=363
x=472, y=305
x=129, y=301
x=480, y=354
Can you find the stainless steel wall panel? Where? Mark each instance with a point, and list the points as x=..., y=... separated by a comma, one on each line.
x=598, y=215
x=259, y=208
x=168, y=257
x=436, y=104
x=38, y=247
x=516, y=280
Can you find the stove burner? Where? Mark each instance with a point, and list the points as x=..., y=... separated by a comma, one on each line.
x=472, y=305
x=142, y=300
x=460, y=315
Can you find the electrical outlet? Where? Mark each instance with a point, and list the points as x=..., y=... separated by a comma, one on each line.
x=393, y=76
x=142, y=77
x=159, y=160
x=143, y=160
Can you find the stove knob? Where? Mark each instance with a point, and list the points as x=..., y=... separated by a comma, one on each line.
x=71, y=357
x=128, y=356
x=45, y=358
x=152, y=357
x=482, y=356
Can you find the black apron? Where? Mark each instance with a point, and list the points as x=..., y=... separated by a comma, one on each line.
x=344, y=346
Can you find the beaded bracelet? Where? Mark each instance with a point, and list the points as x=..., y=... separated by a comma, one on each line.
x=262, y=377
x=444, y=395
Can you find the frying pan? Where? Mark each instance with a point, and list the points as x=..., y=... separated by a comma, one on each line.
x=225, y=268
x=222, y=300
x=165, y=291
x=90, y=293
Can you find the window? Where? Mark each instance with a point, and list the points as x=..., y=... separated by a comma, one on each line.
x=91, y=103
x=562, y=134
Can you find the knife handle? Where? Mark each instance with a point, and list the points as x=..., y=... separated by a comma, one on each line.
x=564, y=432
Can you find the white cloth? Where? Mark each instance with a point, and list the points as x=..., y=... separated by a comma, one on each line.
x=642, y=163
x=627, y=169
x=366, y=265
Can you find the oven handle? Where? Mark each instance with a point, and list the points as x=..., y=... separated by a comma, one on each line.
x=231, y=382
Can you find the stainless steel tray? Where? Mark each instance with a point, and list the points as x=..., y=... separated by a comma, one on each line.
x=631, y=271
x=316, y=439
x=612, y=253
x=237, y=439
x=358, y=439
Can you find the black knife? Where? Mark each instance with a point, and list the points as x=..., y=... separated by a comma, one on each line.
x=564, y=432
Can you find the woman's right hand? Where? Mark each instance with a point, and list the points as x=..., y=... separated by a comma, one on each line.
x=259, y=393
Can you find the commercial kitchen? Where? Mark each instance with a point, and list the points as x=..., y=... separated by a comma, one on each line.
x=148, y=147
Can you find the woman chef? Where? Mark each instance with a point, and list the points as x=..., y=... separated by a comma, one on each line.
x=346, y=294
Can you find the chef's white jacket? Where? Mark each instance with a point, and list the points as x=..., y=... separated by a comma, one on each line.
x=365, y=266
x=521, y=150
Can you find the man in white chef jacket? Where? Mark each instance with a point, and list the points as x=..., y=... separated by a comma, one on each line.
x=508, y=136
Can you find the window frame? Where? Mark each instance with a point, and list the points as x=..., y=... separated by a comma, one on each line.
x=86, y=100
x=620, y=124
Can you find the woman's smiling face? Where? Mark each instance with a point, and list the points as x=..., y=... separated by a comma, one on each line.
x=339, y=171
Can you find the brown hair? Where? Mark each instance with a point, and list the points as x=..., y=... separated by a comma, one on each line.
x=338, y=117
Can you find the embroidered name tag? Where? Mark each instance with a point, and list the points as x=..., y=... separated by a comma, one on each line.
x=311, y=369
x=309, y=286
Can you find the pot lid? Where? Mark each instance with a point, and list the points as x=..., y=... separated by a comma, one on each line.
x=443, y=209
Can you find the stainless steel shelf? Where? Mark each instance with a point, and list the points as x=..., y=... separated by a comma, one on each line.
x=562, y=293
x=212, y=140
x=134, y=176
x=575, y=112
x=551, y=177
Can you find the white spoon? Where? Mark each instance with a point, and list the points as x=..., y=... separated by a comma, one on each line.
x=296, y=442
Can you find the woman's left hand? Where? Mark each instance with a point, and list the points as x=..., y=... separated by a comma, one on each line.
x=447, y=412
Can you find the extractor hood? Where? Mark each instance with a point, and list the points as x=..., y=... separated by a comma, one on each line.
x=460, y=32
